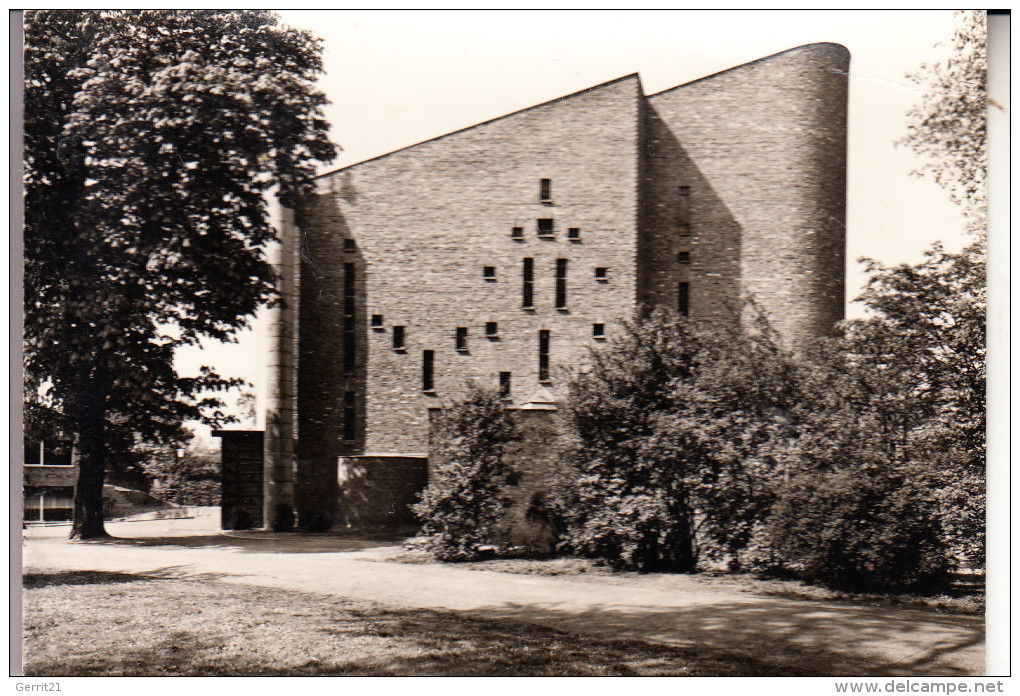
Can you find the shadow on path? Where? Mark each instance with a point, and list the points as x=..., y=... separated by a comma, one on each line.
x=260, y=543
x=39, y=579
x=796, y=637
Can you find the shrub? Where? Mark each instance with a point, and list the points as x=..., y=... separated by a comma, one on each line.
x=676, y=429
x=462, y=505
x=868, y=529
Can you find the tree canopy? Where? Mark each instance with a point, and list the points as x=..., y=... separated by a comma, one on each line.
x=948, y=127
x=151, y=141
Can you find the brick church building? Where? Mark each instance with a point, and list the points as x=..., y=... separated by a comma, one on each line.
x=500, y=253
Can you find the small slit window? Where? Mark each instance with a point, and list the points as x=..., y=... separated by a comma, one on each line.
x=683, y=299
x=545, y=191
x=602, y=274
x=504, y=384
x=683, y=257
x=528, y=289
x=428, y=365
x=517, y=233
x=489, y=273
x=574, y=234
x=377, y=321
x=398, y=338
x=461, y=338
x=545, y=227
x=684, y=213
x=561, y=283
x=350, y=416
x=598, y=330
x=491, y=329
x=543, y=355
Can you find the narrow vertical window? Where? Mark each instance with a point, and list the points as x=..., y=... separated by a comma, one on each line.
x=504, y=384
x=683, y=301
x=528, y=275
x=349, y=335
x=598, y=330
x=684, y=213
x=350, y=416
x=428, y=359
x=349, y=289
x=398, y=338
x=561, y=283
x=543, y=355
x=462, y=338
x=545, y=191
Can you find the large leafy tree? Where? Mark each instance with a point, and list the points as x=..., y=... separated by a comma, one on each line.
x=915, y=369
x=151, y=141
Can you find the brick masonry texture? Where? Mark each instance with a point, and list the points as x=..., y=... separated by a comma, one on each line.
x=378, y=491
x=242, y=457
x=761, y=148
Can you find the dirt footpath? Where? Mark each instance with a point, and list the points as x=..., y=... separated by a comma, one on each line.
x=669, y=609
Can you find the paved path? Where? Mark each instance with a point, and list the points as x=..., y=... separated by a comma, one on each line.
x=669, y=609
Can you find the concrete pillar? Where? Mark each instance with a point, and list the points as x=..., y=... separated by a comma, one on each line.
x=281, y=389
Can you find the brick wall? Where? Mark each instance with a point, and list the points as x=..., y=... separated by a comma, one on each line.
x=378, y=491
x=763, y=148
x=750, y=161
x=426, y=221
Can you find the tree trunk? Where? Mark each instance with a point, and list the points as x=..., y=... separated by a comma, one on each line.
x=88, y=492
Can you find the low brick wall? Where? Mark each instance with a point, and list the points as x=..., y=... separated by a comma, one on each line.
x=377, y=490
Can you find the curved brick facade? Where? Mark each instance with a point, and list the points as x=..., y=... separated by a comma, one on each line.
x=729, y=186
x=763, y=149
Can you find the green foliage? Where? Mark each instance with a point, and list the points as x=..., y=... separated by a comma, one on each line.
x=470, y=472
x=918, y=380
x=151, y=141
x=859, y=465
x=185, y=476
x=679, y=430
x=949, y=125
x=872, y=529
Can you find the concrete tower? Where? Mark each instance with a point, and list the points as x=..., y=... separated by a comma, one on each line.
x=281, y=403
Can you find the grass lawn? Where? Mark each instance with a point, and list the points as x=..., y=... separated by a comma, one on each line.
x=101, y=623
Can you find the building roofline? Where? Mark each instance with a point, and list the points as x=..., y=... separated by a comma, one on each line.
x=487, y=122
x=757, y=60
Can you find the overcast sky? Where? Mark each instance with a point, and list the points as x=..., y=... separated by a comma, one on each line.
x=400, y=77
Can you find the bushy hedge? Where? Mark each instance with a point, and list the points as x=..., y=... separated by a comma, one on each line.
x=866, y=530
x=469, y=475
x=676, y=428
